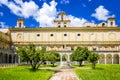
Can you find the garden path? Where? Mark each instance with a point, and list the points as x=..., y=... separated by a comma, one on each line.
x=64, y=74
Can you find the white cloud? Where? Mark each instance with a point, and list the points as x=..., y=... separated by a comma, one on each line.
x=76, y=22
x=47, y=14
x=1, y=14
x=3, y=25
x=44, y=15
x=64, y=1
x=101, y=13
x=5, y=2
x=23, y=9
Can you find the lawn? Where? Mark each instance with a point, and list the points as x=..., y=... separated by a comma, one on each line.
x=24, y=73
x=102, y=72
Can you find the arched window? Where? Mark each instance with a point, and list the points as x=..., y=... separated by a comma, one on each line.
x=103, y=24
x=111, y=23
x=20, y=25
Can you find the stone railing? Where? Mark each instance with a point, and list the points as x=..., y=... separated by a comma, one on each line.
x=7, y=65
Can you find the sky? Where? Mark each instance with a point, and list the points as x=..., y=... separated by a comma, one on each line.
x=42, y=13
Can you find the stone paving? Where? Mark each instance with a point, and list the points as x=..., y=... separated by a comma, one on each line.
x=64, y=74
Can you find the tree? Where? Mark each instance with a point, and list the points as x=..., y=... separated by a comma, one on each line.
x=93, y=58
x=80, y=54
x=31, y=54
x=53, y=57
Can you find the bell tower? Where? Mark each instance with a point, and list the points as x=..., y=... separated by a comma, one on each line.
x=20, y=23
x=62, y=22
x=111, y=22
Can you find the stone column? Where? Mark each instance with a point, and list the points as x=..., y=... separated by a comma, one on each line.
x=18, y=59
x=15, y=59
x=60, y=57
x=98, y=62
x=68, y=58
x=119, y=60
x=112, y=58
x=12, y=58
x=105, y=58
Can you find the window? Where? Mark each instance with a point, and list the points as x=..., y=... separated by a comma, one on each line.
x=58, y=26
x=111, y=23
x=20, y=25
x=78, y=34
x=63, y=46
x=19, y=35
x=51, y=34
x=38, y=35
x=103, y=24
x=72, y=49
x=94, y=49
x=88, y=26
x=65, y=34
x=64, y=25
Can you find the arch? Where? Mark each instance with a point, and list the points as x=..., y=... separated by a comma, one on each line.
x=115, y=59
x=108, y=59
x=6, y=58
x=64, y=57
x=103, y=24
x=1, y=55
x=102, y=59
x=10, y=58
x=16, y=58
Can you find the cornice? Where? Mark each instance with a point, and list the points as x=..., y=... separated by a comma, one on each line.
x=95, y=29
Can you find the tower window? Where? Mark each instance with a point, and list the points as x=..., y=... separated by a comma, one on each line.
x=111, y=23
x=65, y=34
x=20, y=25
x=38, y=35
x=78, y=34
x=51, y=34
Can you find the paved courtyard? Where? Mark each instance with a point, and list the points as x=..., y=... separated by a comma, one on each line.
x=64, y=74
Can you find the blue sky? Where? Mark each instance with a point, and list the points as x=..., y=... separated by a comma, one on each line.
x=41, y=13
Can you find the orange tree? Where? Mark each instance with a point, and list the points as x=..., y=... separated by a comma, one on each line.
x=31, y=54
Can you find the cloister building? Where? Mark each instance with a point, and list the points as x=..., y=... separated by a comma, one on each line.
x=103, y=38
x=6, y=51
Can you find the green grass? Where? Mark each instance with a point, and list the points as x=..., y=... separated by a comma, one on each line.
x=102, y=72
x=24, y=73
